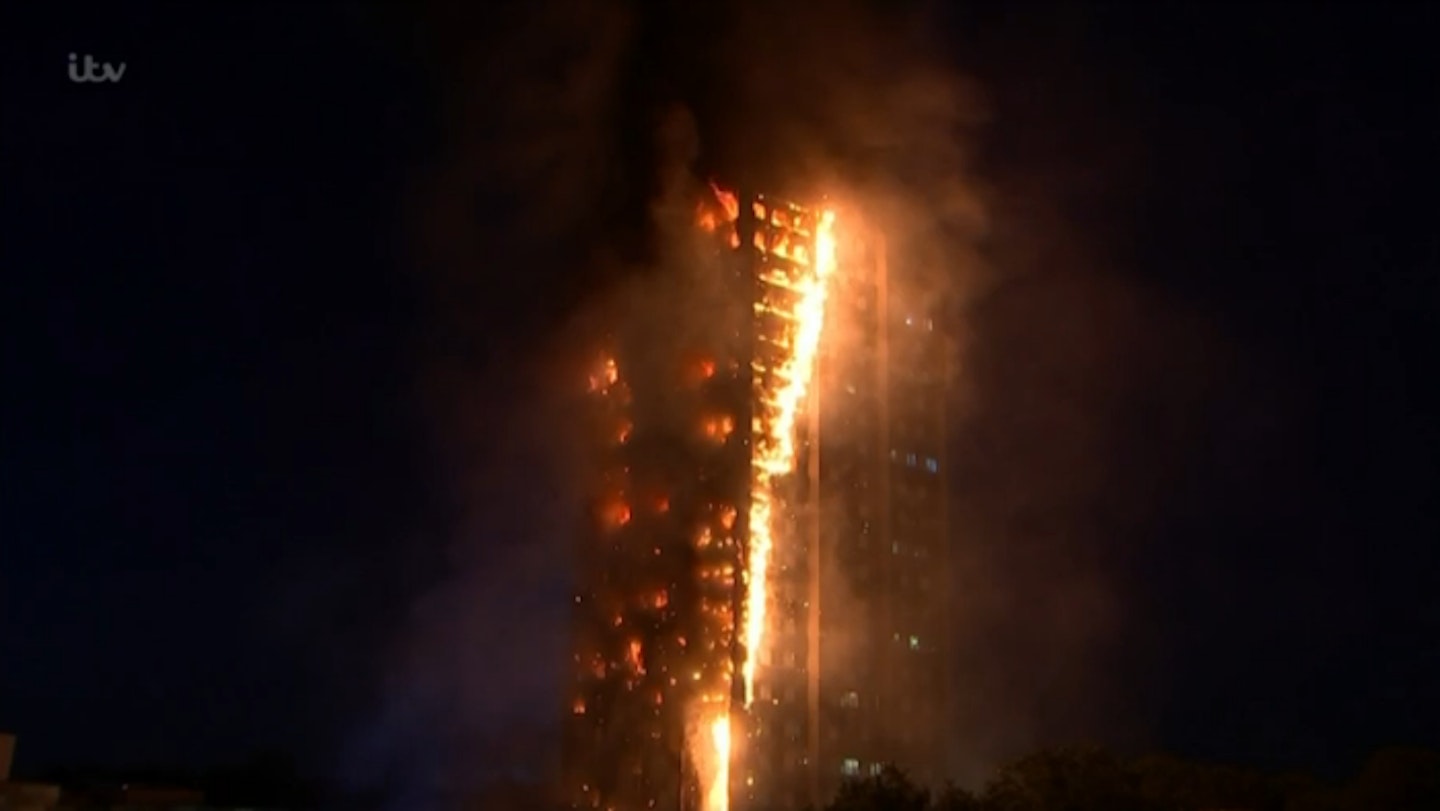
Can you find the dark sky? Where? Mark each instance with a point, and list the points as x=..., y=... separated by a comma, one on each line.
x=229, y=452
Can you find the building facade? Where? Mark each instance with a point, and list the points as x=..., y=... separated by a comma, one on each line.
x=852, y=670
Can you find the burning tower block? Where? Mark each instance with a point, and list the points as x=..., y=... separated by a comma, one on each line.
x=756, y=617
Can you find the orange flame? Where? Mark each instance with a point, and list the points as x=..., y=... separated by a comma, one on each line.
x=783, y=393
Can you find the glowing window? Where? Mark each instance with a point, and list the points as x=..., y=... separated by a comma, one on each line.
x=876, y=769
x=914, y=642
x=850, y=699
x=932, y=464
x=850, y=767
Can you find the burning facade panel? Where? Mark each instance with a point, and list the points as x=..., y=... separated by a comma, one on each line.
x=740, y=526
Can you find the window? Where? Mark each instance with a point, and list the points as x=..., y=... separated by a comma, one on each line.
x=911, y=459
x=914, y=642
x=894, y=547
x=876, y=769
x=932, y=464
x=850, y=700
x=850, y=767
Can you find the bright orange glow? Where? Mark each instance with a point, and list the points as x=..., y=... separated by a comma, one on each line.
x=706, y=219
x=783, y=389
x=632, y=657
x=717, y=794
x=798, y=261
x=605, y=376
x=728, y=201
x=719, y=428
x=615, y=514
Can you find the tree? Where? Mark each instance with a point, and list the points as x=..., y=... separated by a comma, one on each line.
x=1173, y=784
x=1397, y=780
x=1065, y=779
x=955, y=798
x=891, y=790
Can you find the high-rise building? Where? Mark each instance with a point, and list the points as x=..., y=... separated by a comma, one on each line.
x=744, y=432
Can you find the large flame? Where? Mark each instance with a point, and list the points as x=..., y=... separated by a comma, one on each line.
x=774, y=448
x=717, y=794
x=783, y=381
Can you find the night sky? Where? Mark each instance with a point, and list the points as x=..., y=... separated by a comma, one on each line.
x=271, y=471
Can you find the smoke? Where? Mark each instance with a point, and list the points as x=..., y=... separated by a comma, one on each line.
x=502, y=219
x=522, y=232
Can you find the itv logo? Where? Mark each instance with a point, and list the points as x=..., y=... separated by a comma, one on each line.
x=108, y=72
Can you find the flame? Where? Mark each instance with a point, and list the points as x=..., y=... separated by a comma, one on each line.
x=606, y=375
x=782, y=396
x=805, y=244
x=728, y=201
x=717, y=793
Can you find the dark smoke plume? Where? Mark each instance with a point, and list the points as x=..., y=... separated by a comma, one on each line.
x=571, y=130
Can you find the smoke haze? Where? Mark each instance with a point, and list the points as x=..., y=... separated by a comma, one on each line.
x=571, y=130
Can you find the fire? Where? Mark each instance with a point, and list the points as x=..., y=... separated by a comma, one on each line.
x=717, y=794
x=800, y=259
x=782, y=395
x=728, y=201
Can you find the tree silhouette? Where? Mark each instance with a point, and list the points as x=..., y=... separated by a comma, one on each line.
x=1065, y=779
x=891, y=790
x=1396, y=780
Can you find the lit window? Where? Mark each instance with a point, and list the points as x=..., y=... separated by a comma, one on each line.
x=909, y=320
x=932, y=464
x=894, y=547
x=911, y=459
x=850, y=767
x=850, y=699
x=914, y=642
x=876, y=769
